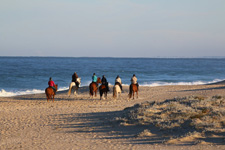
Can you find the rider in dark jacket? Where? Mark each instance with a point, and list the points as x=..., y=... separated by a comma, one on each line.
x=104, y=82
x=74, y=79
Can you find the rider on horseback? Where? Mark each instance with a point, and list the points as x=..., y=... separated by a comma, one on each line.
x=134, y=80
x=119, y=82
x=104, y=82
x=52, y=84
x=74, y=79
x=94, y=79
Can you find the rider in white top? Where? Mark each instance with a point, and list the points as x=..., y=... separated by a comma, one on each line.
x=118, y=81
x=134, y=80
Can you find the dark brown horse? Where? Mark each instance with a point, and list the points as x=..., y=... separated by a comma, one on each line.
x=103, y=90
x=93, y=87
x=133, y=88
x=50, y=94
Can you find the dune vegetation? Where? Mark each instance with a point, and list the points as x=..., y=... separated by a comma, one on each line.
x=193, y=119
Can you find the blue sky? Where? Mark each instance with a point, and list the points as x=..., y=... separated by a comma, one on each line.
x=115, y=28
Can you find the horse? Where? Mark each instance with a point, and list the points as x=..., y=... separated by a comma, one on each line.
x=93, y=88
x=133, y=88
x=103, y=90
x=74, y=87
x=50, y=94
x=116, y=91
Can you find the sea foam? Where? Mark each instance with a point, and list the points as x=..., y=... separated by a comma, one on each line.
x=4, y=93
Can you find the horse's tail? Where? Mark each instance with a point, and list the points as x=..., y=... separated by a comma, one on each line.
x=70, y=88
x=114, y=91
x=100, y=90
x=46, y=91
x=130, y=90
x=91, y=90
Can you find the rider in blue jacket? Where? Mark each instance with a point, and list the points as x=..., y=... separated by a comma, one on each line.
x=94, y=79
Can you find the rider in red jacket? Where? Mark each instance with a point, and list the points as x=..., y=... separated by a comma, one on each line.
x=51, y=84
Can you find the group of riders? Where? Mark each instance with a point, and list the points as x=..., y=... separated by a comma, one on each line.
x=118, y=81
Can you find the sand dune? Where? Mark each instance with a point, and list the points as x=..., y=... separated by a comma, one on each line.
x=80, y=122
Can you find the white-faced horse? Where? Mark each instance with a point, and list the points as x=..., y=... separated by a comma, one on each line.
x=116, y=91
x=74, y=87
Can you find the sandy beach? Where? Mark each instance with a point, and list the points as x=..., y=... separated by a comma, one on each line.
x=80, y=122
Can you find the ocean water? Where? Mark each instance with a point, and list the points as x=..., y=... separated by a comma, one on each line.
x=28, y=75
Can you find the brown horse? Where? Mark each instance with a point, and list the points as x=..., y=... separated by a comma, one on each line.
x=50, y=94
x=133, y=88
x=103, y=90
x=93, y=87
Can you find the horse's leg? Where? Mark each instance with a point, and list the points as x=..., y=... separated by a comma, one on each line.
x=114, y=93
x=130, y=92
x=50, y=97
x=46, y=96
x=133, y=94
x=92, y=93
x=101, y=94
x=91, y=96
x=137, y=94
x=74, y=93
x=53, y=98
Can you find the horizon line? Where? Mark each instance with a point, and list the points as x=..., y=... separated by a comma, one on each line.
x=116, y=57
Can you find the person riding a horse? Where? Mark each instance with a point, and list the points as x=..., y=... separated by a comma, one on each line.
x=51, y=84
x=118, y=81
x=94, y=79
x=134, y=80
x=104, y=82
x=74, y=79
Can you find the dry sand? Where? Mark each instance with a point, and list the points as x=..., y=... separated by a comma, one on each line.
x=79, y=122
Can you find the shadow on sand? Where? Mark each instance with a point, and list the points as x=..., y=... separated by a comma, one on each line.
x=103, y=123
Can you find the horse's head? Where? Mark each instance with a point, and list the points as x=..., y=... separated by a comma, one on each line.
x=78, y=80
x=99, y=80
x=56, y=87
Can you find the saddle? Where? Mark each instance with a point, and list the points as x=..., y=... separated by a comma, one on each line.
x=117, y=83
x=53, y=89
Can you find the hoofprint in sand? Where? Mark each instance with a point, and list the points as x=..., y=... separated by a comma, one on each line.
x=163, y=117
